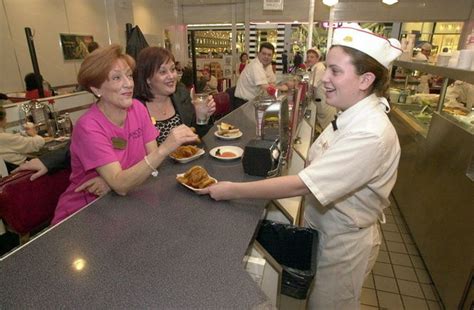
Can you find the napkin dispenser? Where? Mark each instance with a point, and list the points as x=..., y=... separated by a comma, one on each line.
x=276, y=125
x=261, y=158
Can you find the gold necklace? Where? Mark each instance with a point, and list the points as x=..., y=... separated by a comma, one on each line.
x=164, y=106
x=164, y=110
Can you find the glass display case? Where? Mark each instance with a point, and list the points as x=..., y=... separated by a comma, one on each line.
x=435, y=178
x=418, y=90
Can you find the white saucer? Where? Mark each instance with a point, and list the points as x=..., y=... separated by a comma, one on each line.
x=188, y=159
x=227, y=148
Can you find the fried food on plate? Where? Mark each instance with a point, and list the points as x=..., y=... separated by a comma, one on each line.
x=456, y=111
x=225, y=129
x=196, y=177
x=185, y=151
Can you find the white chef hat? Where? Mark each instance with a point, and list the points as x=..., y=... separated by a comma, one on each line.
x=315, y=50
x=381, y=49
x=426, y=46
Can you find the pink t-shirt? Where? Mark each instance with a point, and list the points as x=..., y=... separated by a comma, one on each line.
x=91, y=147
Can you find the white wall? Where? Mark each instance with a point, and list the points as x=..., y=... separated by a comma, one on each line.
x=153, y=17
x=104, y=19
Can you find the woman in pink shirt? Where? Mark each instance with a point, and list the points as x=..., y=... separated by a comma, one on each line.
x=115, y=138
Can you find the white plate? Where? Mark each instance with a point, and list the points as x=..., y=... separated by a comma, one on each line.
x=197, y=190
x=227, y=148
x=188, y=159
x=231, y=137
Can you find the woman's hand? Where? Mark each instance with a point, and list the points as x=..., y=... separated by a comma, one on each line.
x=96, y=186
x=30, y=129
x=35, y=165
x=211, y=105
x=178, y=136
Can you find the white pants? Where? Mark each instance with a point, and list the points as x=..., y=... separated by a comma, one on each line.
x=344, y=261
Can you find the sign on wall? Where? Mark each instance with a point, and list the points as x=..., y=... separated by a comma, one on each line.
x=275, y=5
x=75, y=46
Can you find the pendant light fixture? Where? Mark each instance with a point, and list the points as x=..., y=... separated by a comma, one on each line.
x=330, y=2
x=389, y=2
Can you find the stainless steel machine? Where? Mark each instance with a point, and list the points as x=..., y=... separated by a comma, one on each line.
x=264, y=155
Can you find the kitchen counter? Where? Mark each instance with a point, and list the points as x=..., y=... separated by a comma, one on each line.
x=161, y=246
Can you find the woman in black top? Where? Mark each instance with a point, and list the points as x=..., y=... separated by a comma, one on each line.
x=168, y=102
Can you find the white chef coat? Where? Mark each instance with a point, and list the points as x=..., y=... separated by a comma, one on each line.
x=14, y=147
x=254, y=75
x=461, y=92
x=420, y=57
x=324, y=112
x=351, y=173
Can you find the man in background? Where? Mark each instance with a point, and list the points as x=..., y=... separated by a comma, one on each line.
x=425, y=52
x=284, y=60
x=257, y=77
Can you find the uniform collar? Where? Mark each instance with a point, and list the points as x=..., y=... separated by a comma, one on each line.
x=368, y=103
x=258, y=60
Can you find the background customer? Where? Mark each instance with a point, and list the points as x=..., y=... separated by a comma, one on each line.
x=13, y=146
x=168, y=102
x=258, y=76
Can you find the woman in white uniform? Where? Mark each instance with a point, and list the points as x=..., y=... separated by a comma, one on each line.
x=324, y=112
x=352, y=170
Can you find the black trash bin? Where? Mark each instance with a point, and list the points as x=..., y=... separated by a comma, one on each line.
x=295, y=249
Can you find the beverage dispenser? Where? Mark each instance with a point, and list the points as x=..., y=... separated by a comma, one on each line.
x=264, y=155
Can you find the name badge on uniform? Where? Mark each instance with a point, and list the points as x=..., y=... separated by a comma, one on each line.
x=119, y=143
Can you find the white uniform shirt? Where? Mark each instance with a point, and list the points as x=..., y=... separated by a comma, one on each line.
x=14, y=147
x=324, y=112
x=353, y=169
x=420, y=57
x=461, y=92
x=317, y=72
x=254, y=75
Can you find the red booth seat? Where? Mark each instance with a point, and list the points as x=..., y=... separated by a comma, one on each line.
x=223, y=105
x=27, y=206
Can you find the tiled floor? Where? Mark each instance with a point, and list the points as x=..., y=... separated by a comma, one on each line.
x=399, y=279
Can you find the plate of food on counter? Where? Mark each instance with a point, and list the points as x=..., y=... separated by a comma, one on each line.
x=196, y=179
x=228, y=152
x=186, y=153
x=227, y=131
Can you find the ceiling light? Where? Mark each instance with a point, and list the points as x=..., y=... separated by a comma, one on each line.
x=330, y=2
x=389, y=2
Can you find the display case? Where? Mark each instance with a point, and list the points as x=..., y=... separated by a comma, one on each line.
x=417, y=108
x=436, y=180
